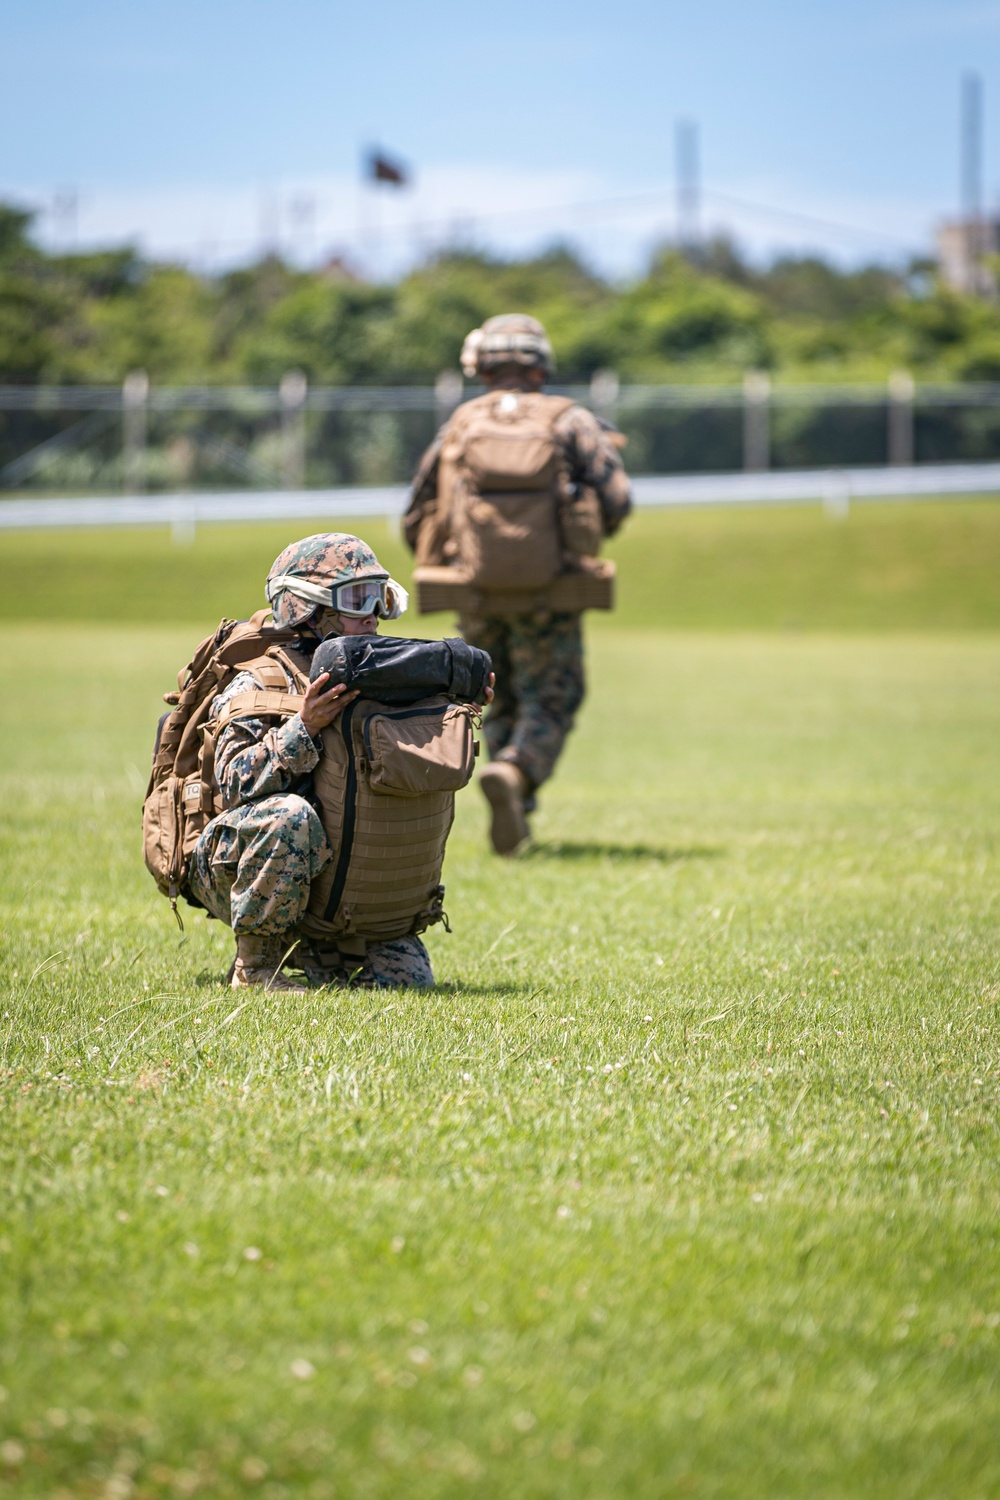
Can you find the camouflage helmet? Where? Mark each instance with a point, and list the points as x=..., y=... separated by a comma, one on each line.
x=510, y=339
x=304, y=576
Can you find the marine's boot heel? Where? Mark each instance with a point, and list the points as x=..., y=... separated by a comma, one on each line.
x=258, y=963
x=504, y=787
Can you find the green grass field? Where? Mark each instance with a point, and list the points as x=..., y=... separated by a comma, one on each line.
x=685, y=1179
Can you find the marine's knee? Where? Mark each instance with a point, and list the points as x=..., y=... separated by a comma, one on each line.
x=285, y=805
x=400, y=963
x=290, y=817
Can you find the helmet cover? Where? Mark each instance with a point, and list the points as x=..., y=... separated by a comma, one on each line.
x=508, y=339
x=302, y=577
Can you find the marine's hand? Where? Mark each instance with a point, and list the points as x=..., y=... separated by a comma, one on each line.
x=490, y=686
x=321, y=707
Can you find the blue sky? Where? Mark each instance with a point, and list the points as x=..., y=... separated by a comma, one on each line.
x=209, y=128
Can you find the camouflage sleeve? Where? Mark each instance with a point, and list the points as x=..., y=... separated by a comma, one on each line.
x=594, y=462
x=423, y=491
x=254, y=759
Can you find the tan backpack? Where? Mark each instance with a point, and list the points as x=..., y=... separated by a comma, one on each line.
x=183, y=794
x=502, y=484
x=385, y=783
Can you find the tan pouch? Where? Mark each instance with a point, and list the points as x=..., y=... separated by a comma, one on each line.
x=427, y=748
x=581, y=524
x=161, y=833
x=509, y=541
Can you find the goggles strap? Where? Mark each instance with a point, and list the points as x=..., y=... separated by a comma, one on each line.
x=314, y=593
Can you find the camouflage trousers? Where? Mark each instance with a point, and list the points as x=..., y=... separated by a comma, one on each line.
x=538, y=660
x=253, y=868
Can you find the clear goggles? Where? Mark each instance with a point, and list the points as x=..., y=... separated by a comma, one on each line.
x=357, y=597
x=364, y=597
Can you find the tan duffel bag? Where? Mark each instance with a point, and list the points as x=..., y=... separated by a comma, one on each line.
x=592, y=586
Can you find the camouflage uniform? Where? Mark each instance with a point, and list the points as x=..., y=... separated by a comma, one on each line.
x=538, y=658
x=254, y=864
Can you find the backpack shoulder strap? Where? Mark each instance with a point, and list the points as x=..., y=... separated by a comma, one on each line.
x=294, y=663
x=272, y=698
x=250, y=639
x=466, y=414
x=555, y=407
x=267, y=672
x=259, y=703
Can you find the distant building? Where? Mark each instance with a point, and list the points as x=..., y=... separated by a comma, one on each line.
x=965, y=248
x=337, y=269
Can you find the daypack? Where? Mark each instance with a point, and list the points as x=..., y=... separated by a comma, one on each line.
x=385, y=785
x=183, y=794
x=503, y=482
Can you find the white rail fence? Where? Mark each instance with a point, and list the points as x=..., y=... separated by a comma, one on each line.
x=272, y=440
x=835, y=489
x=138, y=436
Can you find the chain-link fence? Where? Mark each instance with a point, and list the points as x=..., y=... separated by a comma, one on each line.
x=142, y=438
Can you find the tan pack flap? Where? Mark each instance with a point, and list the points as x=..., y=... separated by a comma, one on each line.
x=426, y=748
x=592, y=587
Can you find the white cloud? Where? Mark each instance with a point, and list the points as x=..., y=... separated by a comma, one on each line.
x=505, y=209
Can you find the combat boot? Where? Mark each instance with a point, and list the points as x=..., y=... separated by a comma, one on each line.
x=258, y=962
x=505, y=788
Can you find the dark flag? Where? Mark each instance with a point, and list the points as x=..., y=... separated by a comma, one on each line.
x=382, y=169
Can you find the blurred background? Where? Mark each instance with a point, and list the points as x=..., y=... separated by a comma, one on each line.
x=241, y=244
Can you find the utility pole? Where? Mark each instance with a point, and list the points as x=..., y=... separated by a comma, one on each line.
x=900, y=418
x=65, y=211
x=302, y=214
x=756, y=421
x=688, y=174
x=292, y=394
x=975, y=232
x=269, y=222
x=972, y=147
x=135, y=408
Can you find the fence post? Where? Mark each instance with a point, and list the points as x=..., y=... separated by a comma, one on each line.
x=756, y=421
x=448, y=390
x=902, y=389
x=292, y=395
x=135, y=406
x=837, y=495
x=604, y=389
x=184, y=522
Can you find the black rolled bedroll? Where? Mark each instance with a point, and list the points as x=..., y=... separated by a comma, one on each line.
x=400, y=672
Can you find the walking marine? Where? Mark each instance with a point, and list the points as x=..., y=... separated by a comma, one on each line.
x=507, y=513
x=288, y=807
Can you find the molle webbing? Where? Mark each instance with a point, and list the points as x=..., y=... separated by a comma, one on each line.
x=272, y=699
x=262, y=703
x=383, y=881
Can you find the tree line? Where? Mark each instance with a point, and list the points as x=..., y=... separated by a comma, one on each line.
x=706, y=316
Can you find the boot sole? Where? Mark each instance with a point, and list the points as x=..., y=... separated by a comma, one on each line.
x=508, y=825
x=263, y=979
